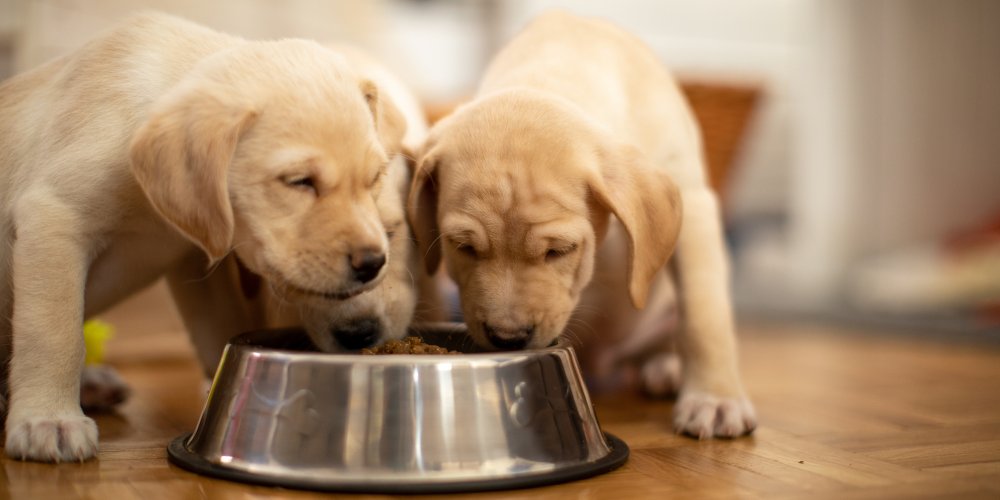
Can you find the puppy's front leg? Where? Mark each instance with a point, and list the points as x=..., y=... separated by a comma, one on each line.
x=711, y=400
x=211, y=305
x=44, y=421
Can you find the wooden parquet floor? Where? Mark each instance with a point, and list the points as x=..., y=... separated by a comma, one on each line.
x=844, y=415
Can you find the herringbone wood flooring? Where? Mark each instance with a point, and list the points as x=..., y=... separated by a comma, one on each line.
x=844, y=414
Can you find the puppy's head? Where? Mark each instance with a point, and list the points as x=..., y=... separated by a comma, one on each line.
x=384, y=312
x=275, y=150
x=515, y=191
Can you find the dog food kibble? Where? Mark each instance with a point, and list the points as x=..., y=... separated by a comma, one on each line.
x=409, y=345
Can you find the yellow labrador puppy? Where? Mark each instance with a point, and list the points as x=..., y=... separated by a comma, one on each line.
x=160, y=147
x=384, y=312
x=569, y=169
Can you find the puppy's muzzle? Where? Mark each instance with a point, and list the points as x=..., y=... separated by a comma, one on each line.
x=358, y=334
x=366, y=264
x=507, y=338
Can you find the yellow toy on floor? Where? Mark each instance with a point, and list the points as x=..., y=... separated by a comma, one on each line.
x=96, y=334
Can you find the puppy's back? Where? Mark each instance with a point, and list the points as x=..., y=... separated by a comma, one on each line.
x=101, y=88
x=610, y=74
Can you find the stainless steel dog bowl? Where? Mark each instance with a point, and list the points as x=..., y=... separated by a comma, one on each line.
x=284, y=415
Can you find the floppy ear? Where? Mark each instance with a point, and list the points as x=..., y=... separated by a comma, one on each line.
x=421, y=209
x=389, y=122
x=180, y=157
x=648, y=204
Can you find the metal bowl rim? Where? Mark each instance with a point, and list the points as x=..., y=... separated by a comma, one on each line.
x=180, y=455
x=240, y=344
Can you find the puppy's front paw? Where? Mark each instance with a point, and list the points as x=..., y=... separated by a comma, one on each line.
x=101, y=388
x=704, y=415
x=57, y=438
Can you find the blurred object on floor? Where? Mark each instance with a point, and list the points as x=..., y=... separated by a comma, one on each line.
x=961, y=274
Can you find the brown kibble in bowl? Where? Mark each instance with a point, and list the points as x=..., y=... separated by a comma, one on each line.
x=408, y=345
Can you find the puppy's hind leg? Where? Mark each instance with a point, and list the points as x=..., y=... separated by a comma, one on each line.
x=101, y=388
x=653, y=341
x=44, y=420
x=661, y=375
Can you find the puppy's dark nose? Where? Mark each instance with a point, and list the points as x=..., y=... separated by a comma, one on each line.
x=357, y=334
x=366, y=264
x=509, y=339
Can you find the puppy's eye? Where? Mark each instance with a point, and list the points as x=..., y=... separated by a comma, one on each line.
x=303, y=182
x=557, y=253
x=373, y=182
x=466, y=249
x=391, y=229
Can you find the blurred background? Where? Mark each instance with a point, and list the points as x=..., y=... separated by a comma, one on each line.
x=856, y=143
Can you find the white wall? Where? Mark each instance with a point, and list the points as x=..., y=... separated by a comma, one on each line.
x=898, y=119
x=48, y=28
x=936, y=85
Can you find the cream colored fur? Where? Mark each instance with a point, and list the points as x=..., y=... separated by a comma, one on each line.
x=159, y=148
x=388, y=308
x=555, y=198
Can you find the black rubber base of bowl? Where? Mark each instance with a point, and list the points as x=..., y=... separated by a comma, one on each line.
x=180, y=456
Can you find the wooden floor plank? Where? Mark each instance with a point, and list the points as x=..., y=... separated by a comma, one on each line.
x=950, y=489
x=972, y=469
x=940, y=455
x=855, y=440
